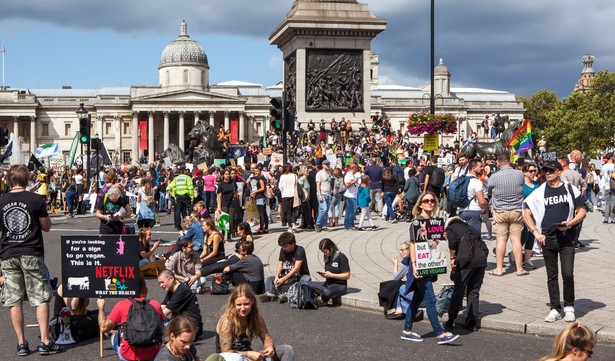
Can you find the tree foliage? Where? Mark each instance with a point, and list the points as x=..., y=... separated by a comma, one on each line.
x=583, y=121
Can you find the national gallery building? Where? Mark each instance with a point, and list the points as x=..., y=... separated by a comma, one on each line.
x=137, y=120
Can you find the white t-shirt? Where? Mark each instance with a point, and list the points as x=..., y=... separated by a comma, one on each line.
x=475, y=186
x=78, y=179
x=353, y=190
x=605, y=174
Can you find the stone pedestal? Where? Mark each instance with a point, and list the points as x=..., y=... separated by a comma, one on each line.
x=326, y=47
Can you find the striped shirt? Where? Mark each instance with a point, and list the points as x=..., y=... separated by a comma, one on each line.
x=506, y=189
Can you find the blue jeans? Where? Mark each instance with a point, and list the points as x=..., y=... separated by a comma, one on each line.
x=403, y=299
x=323, y=210
x=424, y=291
x=334, y=209
x=162, y=202
x=351, y=210
x=116, y=342
x=472, y=218
x=389, y=197
x=71, y=196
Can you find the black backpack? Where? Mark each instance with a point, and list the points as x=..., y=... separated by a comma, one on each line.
x=301, y=296
x=437, y=177
x=143, y=326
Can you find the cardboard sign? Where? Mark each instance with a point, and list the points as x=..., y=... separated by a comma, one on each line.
x=276, y=159
x=251, y=210
x=202, y=166
x=100, y=266
x=430, y=247
x=430, y=141
x=267, y=151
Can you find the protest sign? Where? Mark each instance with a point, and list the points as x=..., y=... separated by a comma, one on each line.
x=100, y=266
x=251, y=210
x=431, y=248
x=267, y=151
x=219, y=162
x=430, y=141
x=202, y=166
x=276, y=159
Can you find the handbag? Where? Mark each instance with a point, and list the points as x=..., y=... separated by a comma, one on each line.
x=218, y=287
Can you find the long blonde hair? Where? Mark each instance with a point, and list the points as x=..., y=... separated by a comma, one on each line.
x=573, y=336
x=254, y=322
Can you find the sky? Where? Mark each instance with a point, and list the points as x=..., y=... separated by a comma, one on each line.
x=519, y=46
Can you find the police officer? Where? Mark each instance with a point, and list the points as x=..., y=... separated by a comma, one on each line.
x=182, y=190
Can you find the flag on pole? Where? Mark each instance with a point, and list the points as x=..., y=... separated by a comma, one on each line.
x=521, y=141
x=8, y=151
x=34, y=164
x=73, y=150
x=47, y=150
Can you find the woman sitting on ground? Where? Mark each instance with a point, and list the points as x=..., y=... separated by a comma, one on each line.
x=575, y=342
x=145, y=251
x=180, y=345
x=336, y=274
x=240, y=323
x=213, y=249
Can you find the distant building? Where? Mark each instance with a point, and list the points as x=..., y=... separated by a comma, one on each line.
x=587, y=75
x=138, y=120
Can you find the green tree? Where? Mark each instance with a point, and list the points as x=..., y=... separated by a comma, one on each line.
x=538, y=107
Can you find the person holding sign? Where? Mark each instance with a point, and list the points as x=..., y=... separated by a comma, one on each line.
x=113, y=208
x=425, y=209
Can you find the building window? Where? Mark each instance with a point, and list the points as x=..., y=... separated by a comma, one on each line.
x=107, y=128
x=185, y=77
x=126, y=128
x=125, y=157
x=67, y=131
x=45, y=130
x=166, y=78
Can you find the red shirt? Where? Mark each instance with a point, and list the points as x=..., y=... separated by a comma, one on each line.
x=118, y=315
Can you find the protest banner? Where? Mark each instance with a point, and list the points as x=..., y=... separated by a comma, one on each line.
x=219, y=162
x=431, y=248
x=251, y=210
x=100, y=266
x=267, y=151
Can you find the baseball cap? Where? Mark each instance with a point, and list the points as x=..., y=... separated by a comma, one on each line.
x=326, y=162
x=553, y=164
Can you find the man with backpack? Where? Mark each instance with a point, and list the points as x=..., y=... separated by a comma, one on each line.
x=474, y=203
x=132, y=315
x=434, y=177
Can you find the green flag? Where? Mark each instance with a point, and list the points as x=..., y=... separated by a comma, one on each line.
x=73, y=150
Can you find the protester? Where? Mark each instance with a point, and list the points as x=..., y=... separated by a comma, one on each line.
x=24, y=217
x=323, y=192
x=180, y=300
x=145, y=250
x=550, y=212
x=352, y=179
x=241, y=322
x=336, y=274
x=478, y=203
x=111, y=211
x=425, y=208
x=576, y=342
x=248, y=270
x=146, y=216
x=185, y=264
x=363, y=202
x=213, y=250
x=182, y=333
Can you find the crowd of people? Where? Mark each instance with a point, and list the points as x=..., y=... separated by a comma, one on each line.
x=538, y=206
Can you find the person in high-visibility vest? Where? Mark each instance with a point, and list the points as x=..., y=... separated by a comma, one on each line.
x=182, y=190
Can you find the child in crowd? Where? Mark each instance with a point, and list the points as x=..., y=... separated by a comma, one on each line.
x=364, y=200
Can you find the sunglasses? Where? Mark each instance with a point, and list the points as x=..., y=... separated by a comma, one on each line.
x=531, y=170
x=550, y=170
x=589, y=353
x=430, y=200
x=403, y=249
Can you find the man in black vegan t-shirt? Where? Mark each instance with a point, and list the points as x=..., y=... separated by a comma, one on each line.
x=24, y=216
x=550, y=213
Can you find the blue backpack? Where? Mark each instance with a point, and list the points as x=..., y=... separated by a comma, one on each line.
x=458, y=192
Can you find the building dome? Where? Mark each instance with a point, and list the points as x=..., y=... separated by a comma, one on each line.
x=441, y=69
x=183, y=51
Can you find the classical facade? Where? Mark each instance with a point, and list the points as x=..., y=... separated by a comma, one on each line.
x=137, y=120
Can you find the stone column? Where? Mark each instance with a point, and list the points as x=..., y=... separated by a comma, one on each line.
x=211, y=118
x=135, y=136
x=16, y=128
x=32, y=133
x=196, y=117
x=242, y=128
x=118, y=137
x=227, y=122
x=182, y=131
x=150, y=139
x=165, y=141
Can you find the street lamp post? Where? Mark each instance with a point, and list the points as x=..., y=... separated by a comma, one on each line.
x=97, y=137
x=82, y=113
x=432, y=103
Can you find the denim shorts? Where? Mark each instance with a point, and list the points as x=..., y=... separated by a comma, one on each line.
x=25, y=275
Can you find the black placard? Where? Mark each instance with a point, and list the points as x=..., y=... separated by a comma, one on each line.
x=100, y=266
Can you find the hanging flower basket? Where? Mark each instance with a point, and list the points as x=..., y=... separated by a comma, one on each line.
x=423, y=123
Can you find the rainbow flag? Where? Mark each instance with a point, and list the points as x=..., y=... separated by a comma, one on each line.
x=522, y=139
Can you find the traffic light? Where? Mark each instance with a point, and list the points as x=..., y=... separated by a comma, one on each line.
x=4, y=137
x=277, y=113
x=84, y=130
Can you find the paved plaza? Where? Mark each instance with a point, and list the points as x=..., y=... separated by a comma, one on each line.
x=508, y=303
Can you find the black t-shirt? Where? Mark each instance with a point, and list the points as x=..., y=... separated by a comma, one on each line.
x=184, y=302
x=21, y=229
x=290, y=258
x=254, y=183
x=143, y=248
x=227, y=190
x=338, y=263
x=108, y=207
x=557, y=209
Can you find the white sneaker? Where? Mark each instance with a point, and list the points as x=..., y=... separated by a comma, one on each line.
x=553, y=316
x=569, y=314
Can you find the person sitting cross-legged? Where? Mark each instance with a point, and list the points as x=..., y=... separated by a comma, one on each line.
x=185, y=264
x=180, y=300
